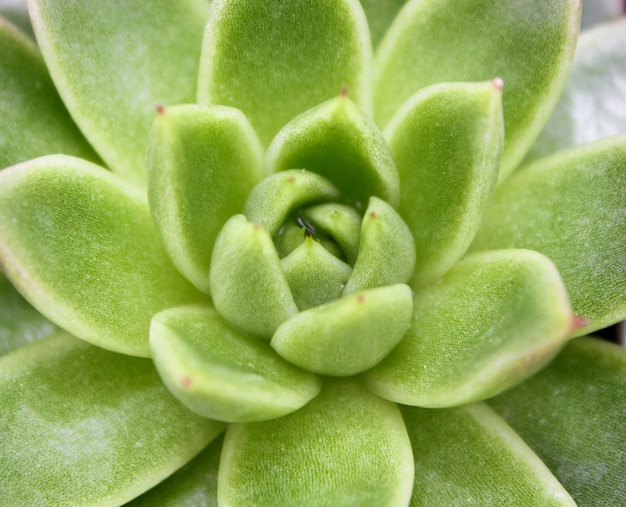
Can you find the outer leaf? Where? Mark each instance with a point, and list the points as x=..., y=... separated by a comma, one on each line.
x=194, y=485
x=34, y=120
x=572, y=415
x=114, y=61
x=345, y=448
x=79, y=244
x=468, y=455
x=340, y=142
x=447, y=141
x=291, y=56
x=220, y=374
x=248, y=286
x=489, y=323
x=570, y=207
x=380, y=14
x=592, y=105
x=528, y=44
x=202, y=164
x=20, y=323
x=349, y=335
x=83, y=426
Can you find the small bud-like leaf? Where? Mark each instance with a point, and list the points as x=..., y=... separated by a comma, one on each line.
x=220, y=374
x=340, y=142
x=490, y=322
x=349, y=335
x=346, y=447
x=248, y=285
x=202, y=164
x=446, y=141
x=275, y=197
x=386, y=250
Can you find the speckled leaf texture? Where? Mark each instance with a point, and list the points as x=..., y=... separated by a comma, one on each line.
x=114, y=61
x=93, y=428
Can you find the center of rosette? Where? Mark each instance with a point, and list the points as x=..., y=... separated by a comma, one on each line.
x=319, y=277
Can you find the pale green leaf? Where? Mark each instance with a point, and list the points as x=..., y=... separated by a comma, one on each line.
x=248, y=286
x=491, y=321
x=446, y=141
x=84, y=426
x=221, y=374
x=593, y=103
x=346, y=448
x=79, y=244
x=290, y=56
x=340, y=142
x=202, y=164
x=570, y=207
x=113, y=61
x=469, y=456
x=528, y=44
x=34, y=120
x=572, y=415
x=349, y=335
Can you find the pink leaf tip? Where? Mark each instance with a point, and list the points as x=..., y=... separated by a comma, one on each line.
x=498, y=82
x=344, y=91
x=159, y=109
x=578, y=322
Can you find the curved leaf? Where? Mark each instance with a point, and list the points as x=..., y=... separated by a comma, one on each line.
x=528, y=44
x=34, y=120
x=346, y=447
x=491, y=321
x=592, y=105
x=340, y=142
x=79, y=244
x=468, y=455
x=220, y=374
x=291, y=56
x=570, y=207
x=202, y=164
x=572, y=415
x=112, y=62
x=81, y=425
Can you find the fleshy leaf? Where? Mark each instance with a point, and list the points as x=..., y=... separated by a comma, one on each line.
x=34, y=120
x=468, y=455
x=291, y=56
x=490, y=322
x=346, y=447
x=528, y=44
x=202, y=164
x=194, y=485
x=446, y=141
x=315, y=276
x=386, y=250
x=221, y=374
x=592, y=104
x=340, y=142
x=572, y=415
x=248, y=286
x=20, y=323
x=113, y=62
x=349, y=335
x=380, y=14
x=275, y=197
x=84, y=426
x=570, y=207
x=79, y=244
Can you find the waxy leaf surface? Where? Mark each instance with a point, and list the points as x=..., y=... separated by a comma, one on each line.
x=490, y=322
x=570, y=207
x=84, y=426
x=346, y=447
x=112, y=62
x=79, y=244
x=528, y=44
x=469, y=456
x=291, y=56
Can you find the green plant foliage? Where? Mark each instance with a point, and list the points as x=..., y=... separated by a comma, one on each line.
x=308, y=220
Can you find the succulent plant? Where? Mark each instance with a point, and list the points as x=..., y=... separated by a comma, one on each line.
x=333, y=232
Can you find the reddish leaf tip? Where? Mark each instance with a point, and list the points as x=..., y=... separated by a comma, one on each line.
x=257, y=226
x=344, y=91
x=360, y=298
x=185, y=382
x=372, y=214
x=498, y=83
x=159, y=109
x=291, y=179
x=578, y=322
